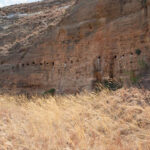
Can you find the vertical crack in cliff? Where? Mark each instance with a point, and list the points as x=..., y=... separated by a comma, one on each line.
x=144, y=6
x=112, y=66
x=121, y=6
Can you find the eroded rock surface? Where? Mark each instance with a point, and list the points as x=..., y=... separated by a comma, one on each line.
x=70, y=44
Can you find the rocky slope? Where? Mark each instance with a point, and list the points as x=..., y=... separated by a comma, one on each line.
x=70, y=44
x=21, y=23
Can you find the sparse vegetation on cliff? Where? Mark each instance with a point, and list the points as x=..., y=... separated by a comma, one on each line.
x=50, y=92
x=142, y=64
x=117, y=120
x=138, y=51
x=134, y=78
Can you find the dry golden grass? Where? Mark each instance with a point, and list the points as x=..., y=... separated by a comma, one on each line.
x=105, y=121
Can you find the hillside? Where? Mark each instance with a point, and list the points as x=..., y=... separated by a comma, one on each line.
x=69, y=45
x=75, y=75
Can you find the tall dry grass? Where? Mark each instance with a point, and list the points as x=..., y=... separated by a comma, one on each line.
x=104, y=121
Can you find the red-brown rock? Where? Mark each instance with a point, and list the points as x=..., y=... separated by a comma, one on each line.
x=68, y=44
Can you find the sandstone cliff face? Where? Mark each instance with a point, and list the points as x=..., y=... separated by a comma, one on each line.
x=68, y=44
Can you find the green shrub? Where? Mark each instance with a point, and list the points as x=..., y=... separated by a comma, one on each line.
x=138, y=51
x=111, y=84
x=50, y=92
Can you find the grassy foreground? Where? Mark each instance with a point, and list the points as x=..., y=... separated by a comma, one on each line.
x=105, y=121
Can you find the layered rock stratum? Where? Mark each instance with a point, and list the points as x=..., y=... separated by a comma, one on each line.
x=69, y=45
